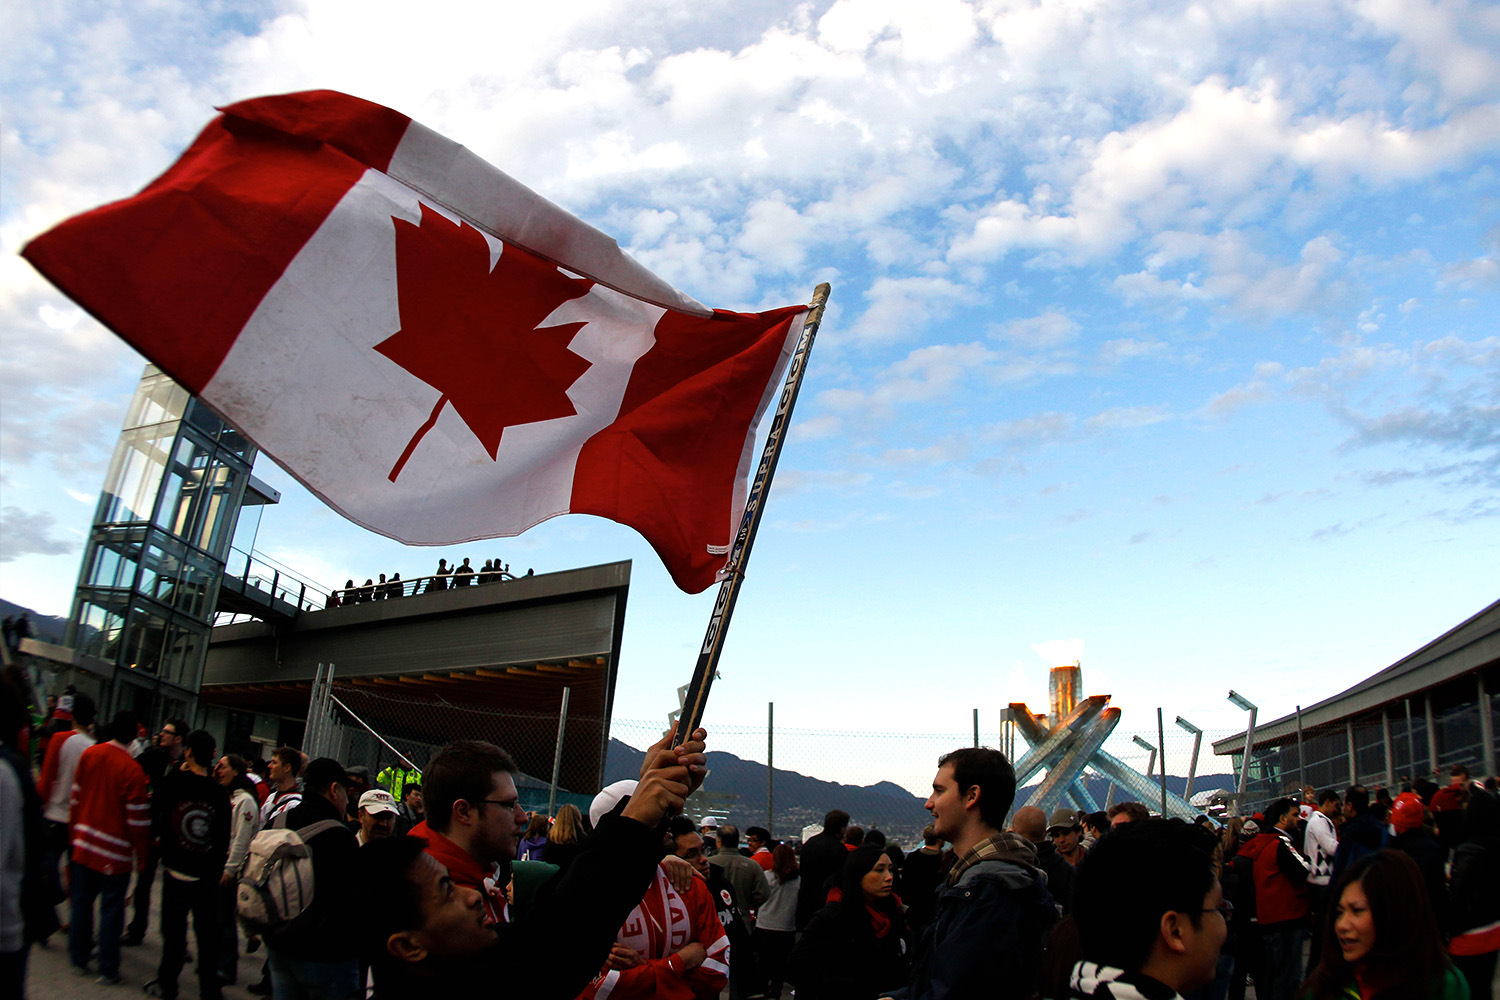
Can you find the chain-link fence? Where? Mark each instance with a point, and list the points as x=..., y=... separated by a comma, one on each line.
x=880, y=778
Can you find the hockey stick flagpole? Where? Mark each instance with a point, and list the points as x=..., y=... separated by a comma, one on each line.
x=739, y=553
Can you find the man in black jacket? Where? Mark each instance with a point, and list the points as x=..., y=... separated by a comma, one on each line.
x=1031, y=823
x=190, y=822
x=822, y=859
x=320, y=955
x=426, y=936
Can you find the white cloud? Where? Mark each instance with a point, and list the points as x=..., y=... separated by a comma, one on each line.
x=1059, y=652
x=1049, y=329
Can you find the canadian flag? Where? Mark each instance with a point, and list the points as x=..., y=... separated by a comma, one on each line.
x=435, y=350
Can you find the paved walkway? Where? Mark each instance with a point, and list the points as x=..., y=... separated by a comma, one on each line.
x=49, y=975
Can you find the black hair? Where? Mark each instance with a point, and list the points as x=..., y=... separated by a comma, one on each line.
x=758, y=832
x=201, y=743
x=1278, y=809
x=1097, y=821
x=1358, y=799
x=322, y=774
x=854, y=835
x=834, y=821
x=390, y=899
x=1328, y=795
x=124, y=727
x=241, y=776
x=875, y=837
x=83, y=709
x=679, y=826
x=1133, y=876
x=1407, y=960
x=729, y=835
x=462, y=771
x=992, y=773
x=856, y=866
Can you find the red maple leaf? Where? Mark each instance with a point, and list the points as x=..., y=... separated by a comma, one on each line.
x=473, y=333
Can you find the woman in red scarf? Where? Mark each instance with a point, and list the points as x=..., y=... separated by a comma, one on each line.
x=856, y=947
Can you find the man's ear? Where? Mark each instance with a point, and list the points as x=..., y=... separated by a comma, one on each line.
x=1170, y=929
x=463, y=812
x=971, y=797
x=406, y=947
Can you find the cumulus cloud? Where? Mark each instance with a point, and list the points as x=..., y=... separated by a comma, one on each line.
x=23, y=534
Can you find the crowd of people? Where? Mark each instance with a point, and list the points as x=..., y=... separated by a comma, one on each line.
x=451, y=885
x=444, y=578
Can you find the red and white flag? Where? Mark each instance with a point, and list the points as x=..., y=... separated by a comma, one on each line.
x=437, y=351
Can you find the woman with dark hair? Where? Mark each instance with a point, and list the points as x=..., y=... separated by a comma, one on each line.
x=566, y=837
x=855, y=948
x=244, y=823
x=1474, y=895
x=776, y=920
x=533, y=843
x=1381, y=939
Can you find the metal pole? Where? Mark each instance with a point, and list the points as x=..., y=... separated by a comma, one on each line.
x=1245, y=763
x=562, y=724
x=1187, y=791
x=1349, y=739
x=1161, y=741
x=1385, y=735
x=770, y=761
x=1432, y=751
x=1411, y=743
x=404, y=759
x=976, y=727
x=1486, y=727
x=1301, y=768
x=696, y=701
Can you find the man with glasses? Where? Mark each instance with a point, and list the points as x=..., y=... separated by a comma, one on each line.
x=1150, y=913
x=474, y=818
x=156, y=760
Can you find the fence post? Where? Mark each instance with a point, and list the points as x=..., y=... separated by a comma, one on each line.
x=770, y=763
x=1161, y=741
x=1385, y=735
x=1432, y=750
x=1349, y=738
x=1301, y=758
x=976, y=727
x=562, y=722
x=1486, y=726
x=1411, y=743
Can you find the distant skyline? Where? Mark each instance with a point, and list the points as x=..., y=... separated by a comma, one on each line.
x=1162, y=336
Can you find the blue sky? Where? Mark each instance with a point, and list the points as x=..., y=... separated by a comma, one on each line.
x=1163, y=336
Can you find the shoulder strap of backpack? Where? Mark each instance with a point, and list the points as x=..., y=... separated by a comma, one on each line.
x=321, y=826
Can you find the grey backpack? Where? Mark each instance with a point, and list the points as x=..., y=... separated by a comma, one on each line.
x=276, y=883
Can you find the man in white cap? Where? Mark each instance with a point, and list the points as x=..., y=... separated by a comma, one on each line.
x=710, y=830
x=377, y=815
x=672, y=945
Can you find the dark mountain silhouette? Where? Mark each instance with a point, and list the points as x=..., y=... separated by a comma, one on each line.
x=44, y=627
x=739, y=788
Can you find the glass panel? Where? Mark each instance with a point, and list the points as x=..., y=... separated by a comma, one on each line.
x=213, y=531
x=181, y=660
x=106, y=569
x=157, y=400
x=182, y=494
x=236, y=444
x=202, y=417
x=135, y=472
x=99, y=630
x=144, y=642
x=192, y=593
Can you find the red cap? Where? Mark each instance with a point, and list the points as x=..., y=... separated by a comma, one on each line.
x=1407, y=812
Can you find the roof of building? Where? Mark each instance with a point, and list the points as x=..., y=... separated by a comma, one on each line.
x=1463, y=649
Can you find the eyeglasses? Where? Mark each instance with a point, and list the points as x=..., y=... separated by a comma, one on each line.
x=1224, y=909
x=502, y=803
